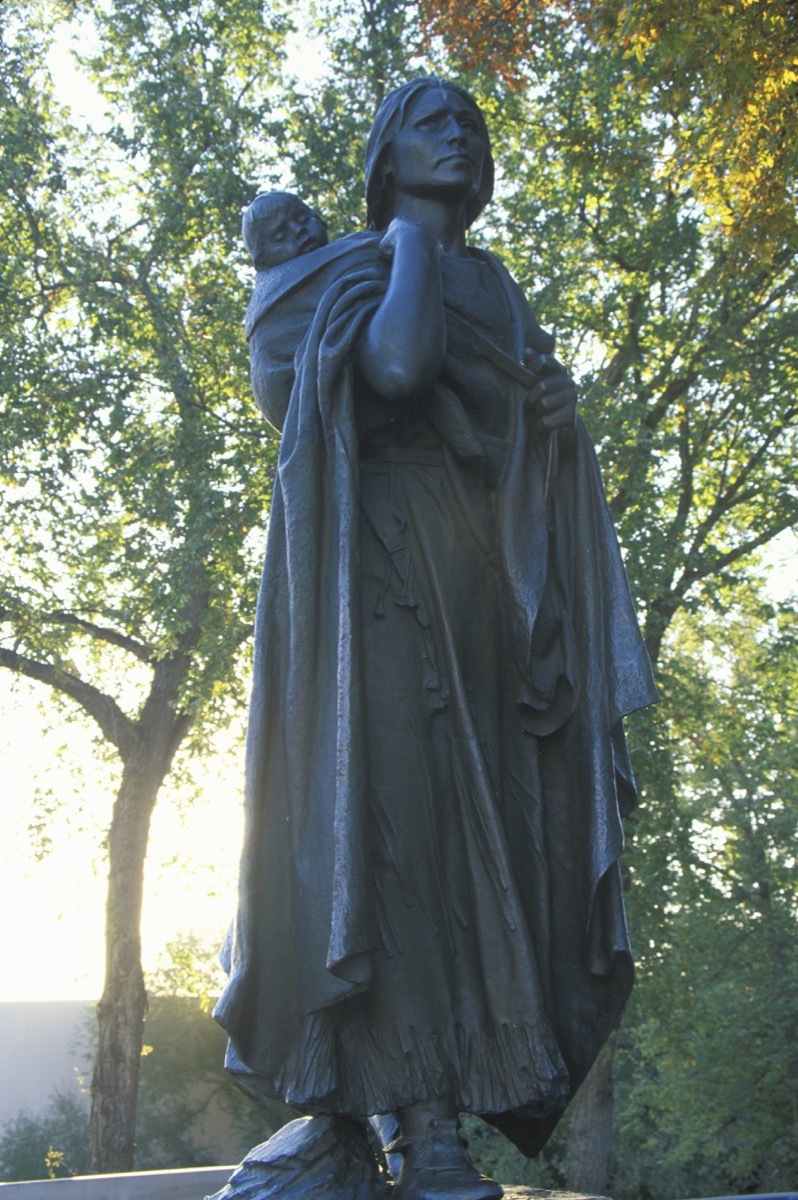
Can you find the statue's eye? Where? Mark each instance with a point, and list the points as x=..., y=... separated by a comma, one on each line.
x=430, y=122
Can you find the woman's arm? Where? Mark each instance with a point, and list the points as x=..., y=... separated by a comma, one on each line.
x=402, y=350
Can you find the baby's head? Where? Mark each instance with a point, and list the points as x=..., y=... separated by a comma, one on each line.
x=279, y=226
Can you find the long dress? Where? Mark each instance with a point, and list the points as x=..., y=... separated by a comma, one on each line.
x=430, y=898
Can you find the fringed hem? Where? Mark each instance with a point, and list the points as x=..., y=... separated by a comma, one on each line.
x=364, y=1070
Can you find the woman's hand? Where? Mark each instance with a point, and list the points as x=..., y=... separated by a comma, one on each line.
x=554, y=395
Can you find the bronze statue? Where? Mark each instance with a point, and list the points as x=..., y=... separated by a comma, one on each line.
x=430, y=919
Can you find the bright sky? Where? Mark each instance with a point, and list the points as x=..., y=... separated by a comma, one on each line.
x=54, y=905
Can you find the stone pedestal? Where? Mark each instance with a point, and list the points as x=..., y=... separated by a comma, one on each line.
x=189, y=1185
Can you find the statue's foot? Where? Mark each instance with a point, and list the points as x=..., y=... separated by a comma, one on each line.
x=437, y=1166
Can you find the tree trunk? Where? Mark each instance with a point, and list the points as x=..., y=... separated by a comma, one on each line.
x=587, y=1164
x=120, y=1013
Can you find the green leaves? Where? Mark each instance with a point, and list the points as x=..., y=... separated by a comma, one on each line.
x=129, y=435
x=707, y=1066
x=687, y=371
x=727, y=79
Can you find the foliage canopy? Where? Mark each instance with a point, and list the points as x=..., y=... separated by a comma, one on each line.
x=724, y=76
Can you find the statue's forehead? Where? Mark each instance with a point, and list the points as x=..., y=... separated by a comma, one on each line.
x=274, y=209
x=433, y=99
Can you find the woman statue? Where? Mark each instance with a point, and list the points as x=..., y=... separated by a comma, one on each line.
x=430, y=915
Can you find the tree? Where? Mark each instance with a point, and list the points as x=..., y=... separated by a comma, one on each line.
x=137, y=473
x=727, y=79
x=686, y=369
x=707, y=1068
x=368, y=54
x=133, y=468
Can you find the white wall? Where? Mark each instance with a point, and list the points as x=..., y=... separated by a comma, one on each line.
x=43, y=1048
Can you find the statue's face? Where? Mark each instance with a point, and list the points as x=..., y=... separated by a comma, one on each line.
x=287, y=230
x=438, y=152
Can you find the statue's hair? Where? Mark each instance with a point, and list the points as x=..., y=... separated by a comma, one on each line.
x=387, y=123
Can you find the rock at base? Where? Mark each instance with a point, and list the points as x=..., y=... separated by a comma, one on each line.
x=312, y=1158
x=528, y=1193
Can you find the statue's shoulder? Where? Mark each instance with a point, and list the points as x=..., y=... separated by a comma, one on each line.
x=531, y=333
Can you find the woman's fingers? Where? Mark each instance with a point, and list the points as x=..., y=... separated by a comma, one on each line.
x=554, y=401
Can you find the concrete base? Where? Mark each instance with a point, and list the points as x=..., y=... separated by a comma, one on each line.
x=182, y=1185
x=192, y=1184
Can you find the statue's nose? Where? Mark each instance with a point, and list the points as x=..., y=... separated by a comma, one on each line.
x=456, y=135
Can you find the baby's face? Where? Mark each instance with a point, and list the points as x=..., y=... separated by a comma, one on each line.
x=287, y=231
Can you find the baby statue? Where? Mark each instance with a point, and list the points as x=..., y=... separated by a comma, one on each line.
x=278, y=226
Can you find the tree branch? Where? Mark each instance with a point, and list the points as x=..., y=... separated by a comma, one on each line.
x=714, y=565
x=99, y=632
x=116, y=726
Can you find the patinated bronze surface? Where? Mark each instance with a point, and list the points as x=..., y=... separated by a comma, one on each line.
x=430, y=916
